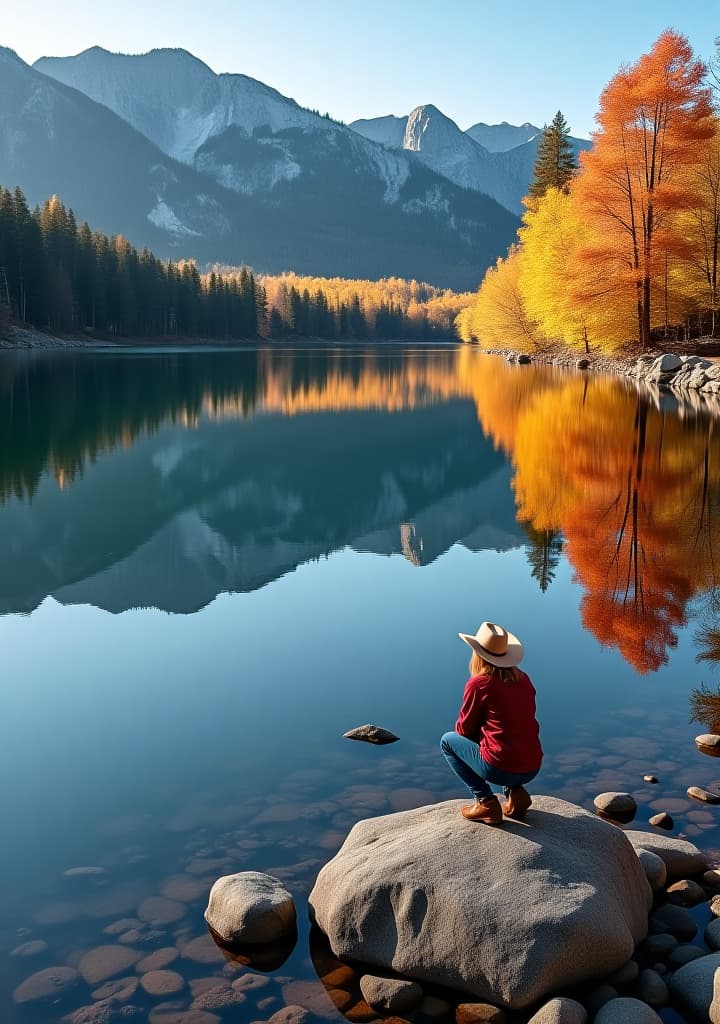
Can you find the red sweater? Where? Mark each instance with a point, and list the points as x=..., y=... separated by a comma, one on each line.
x=500, y=717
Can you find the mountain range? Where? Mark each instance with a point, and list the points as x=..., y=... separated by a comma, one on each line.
x=223, y=168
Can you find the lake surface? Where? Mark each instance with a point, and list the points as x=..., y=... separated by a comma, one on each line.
x=212, y=564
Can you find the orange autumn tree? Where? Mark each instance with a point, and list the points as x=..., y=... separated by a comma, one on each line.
x=653, y=116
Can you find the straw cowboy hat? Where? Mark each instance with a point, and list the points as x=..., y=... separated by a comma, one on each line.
x=495, y=645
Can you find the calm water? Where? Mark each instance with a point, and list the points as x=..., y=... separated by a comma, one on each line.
x=213, y=564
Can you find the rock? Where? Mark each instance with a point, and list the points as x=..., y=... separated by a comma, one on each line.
x=712, y=933
x=583, y=364
x=624, y=975
x=619, y=806
x=715, y=906
x=105, y=962
x=119, y=991
x=251, y=908
x=252, y=982
x=698, y=793
x=169, y=1013
x=711, y=878
x=708, y=743
x=159, y=910
x=681, y=857
x=47, y=984
x=421, y=917
x=692, y=986
x=686, y=893
x=395, y=995
x=184, y=888
x=158, y=960
x=652, y=989
x=290, y=1015
x=29, y=949
x=524, y=359
x=218, y=998
x=626, y=1011
x=651, y=779
x=84, y=872
x=660, y=945
x=371, y=734
x=685, y=954
x=162, y=983
x=654, y=868
x=676, y=920
x=125, y=924
x=662, y=820
x=560, y=1011
x=479, y=1013
x=95, y=1013
x=667, y=363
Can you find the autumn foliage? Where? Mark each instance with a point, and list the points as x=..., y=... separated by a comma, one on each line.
x=630, y=248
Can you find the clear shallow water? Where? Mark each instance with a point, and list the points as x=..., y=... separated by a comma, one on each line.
x=213, y=564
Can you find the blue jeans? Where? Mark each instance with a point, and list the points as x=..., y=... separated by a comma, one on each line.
x=463, y=756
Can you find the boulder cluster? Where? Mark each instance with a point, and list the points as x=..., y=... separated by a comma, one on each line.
x=678, y=373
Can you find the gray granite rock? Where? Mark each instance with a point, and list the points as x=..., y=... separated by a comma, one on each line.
x=682, y=858
x=421, y=914
x=708, y=743
x=662, y=820
x=560, y=1010
x=654, y=868
x=626, y=1011
x=621, y=806
x=391, y=995
x=250, y=907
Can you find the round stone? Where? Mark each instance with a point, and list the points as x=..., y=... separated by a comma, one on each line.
x=625, y=975
x=662, y=820
x=654, y=868
x=162, y=983
x=158, y=960
x=676, y=920
x=394, y=995
x=651, y=779
x=47, y=984
x=626, y=1011
x=619, y=806
x=104, y=962
x=711, y=878
x=685, y=954
x=479, y=1013
x=29, y=949
x=704, y=795
x=712, y=933
x=158, y=910
x=652, y=989
x=250, y=907
x=708, y=743
x=686, y=893
x=660, y=945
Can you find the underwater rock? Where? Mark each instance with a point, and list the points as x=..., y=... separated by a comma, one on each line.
x=47, y=984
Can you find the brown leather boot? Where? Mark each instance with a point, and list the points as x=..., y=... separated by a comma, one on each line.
x=487, y=810
x=517, y=804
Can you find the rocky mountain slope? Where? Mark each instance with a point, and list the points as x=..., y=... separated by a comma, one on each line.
x=289, y=189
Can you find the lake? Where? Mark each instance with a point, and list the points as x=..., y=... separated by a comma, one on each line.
x=214, y=563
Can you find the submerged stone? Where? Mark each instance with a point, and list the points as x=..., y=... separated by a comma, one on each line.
x=47, y=984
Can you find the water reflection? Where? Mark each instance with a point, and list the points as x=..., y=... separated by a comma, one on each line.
x=163, y=479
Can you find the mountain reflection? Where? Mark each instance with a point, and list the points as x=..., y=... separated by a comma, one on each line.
x=163, y=479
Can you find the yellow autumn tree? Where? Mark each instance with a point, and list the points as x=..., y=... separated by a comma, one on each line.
x=497, y=318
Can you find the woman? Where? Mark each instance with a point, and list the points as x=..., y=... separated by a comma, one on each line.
x=496, y=736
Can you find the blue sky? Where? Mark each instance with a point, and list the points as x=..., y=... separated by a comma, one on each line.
x=476, y=60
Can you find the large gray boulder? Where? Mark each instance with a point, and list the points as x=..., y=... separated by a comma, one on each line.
x=251, y=908
x=507, y=914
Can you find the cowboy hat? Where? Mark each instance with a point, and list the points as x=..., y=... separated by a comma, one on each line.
x=495, y=645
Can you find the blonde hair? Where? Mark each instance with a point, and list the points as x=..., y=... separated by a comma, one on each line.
x=480, y=667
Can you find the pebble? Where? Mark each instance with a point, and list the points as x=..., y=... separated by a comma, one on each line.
x=624, y=975
x=712, y=878
x=620, y=806
x=159, y=910
x=158, y=960
x=28, y=949
x=45, y=984
x=652, y=779
x=685, y=954
x=120, y=990
x=686, y=893
x=715, y=906
x=708, y=743
x=560, y=1011
x=662, y=820
x=698, y=793
x=162, y=983
x=479, y=1013
x=660, y=945
x=371, y=734
x=654, y=868
x=105, y=962
x=712, y=933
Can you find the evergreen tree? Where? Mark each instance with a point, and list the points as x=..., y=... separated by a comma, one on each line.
x=555, y=163
x=543, y=554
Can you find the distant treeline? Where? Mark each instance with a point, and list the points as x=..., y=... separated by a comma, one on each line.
x=55, y=274
x=58, y=275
